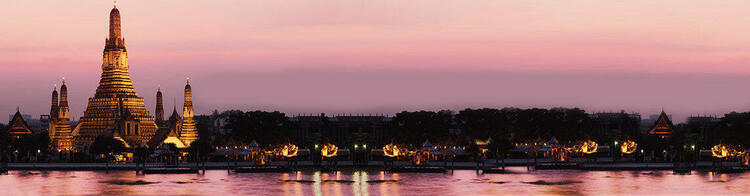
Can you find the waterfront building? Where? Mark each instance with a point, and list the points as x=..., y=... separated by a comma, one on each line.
x=705, y=126
x=626, y=123
x=17, y=126
x=662, y=127
x=341, y=130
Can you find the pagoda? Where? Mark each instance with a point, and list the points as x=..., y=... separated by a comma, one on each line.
x=60, y=133
x=115, y=102
x=662, y=127
x=189, y=133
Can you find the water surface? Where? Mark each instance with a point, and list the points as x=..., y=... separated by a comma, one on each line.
x=461, y=182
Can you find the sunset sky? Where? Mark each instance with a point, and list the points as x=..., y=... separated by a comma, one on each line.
x=385, y=56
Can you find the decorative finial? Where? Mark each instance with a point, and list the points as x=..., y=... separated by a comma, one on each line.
x=63, y=80
x=188, y=80
x=158, y=87
x=115, y=3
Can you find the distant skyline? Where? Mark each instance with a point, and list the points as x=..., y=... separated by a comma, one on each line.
x=362, y=57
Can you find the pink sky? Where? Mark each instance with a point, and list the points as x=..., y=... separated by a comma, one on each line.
x=364, y=56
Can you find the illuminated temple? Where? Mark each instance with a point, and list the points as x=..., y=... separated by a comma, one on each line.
x=116, y=109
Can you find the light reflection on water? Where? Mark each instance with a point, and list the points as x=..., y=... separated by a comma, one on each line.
x=465, y=182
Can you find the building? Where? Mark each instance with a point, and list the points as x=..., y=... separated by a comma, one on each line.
x=662, y=127
x=705, y=126
x=626, y=123
x=17, y=127
x=59, y=126
x=341, y=130
x=180, y=131
x=116, y=109
x=189, y=133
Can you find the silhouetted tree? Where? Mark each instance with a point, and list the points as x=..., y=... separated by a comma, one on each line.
x=106, y=145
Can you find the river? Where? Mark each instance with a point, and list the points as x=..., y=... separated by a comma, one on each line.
x=349, y=182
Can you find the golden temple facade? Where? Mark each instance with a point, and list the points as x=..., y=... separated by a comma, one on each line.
x=115, y=98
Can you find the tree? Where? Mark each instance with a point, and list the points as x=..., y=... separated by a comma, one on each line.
x=106, y=145
x=266, y=127
x=200, y=148
x=733, y=129
x=415, y=127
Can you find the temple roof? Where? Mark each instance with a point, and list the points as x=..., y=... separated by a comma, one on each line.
x=662, y=126
x=161, y=136
x=17, y=125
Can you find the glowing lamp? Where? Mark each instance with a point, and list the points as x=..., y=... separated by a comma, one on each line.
x=289, y=150
x=628, y=147
x=589, y=147
x=329, y=150
x=391, y=150
x=720, y=151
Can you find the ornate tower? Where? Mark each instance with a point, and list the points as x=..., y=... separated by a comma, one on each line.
x=189, y=132
x=63, y=110
x=159, y=109
x=61, y=137
x=115, y=84
x=53, y=116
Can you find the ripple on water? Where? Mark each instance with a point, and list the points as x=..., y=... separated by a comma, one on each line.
x=127, y=182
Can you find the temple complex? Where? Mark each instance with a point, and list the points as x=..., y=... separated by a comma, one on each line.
x=116, y=109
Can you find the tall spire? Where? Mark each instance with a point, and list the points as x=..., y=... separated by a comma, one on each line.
x=189, y=132
x=55, y=102
x=159, y=118
x=114, y=24
x=60, y=133
x=64, y=110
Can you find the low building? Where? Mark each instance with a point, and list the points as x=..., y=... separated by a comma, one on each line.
x=626, y=123
x=17, y=126
x=705, y=126
x=663, y=126
x=340, y=130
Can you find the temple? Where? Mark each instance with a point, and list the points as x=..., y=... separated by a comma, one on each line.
x=662, y=127
x=18, y=126
x=115, y=100
x=115, y=110
x=60, y=132
x=180, y=131
x=159, y=113
x=189, y=133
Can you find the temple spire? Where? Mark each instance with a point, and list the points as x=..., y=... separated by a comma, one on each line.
x=159, y=113
x=189, y=132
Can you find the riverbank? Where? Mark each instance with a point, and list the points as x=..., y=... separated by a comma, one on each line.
x=599, y=165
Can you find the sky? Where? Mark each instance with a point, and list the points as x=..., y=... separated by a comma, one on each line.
x=371, y=57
